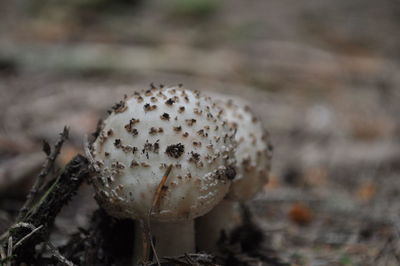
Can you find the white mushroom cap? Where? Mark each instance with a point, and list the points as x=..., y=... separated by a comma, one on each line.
x=146, y=133
x=254, y=150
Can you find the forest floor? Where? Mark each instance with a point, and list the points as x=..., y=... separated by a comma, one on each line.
x=322, y=75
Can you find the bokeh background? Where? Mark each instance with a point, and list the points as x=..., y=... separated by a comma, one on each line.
x=323, y=75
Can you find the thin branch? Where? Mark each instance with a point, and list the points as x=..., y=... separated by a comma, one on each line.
x=27, y=236
x=43, y=213
x=4, y=259
x=3, y=255
x=147, y=239
x=51, y=157
x=17, y=225
x=9, y=250
x=159, y=190
x=87, y=148
x=383, y=249
x=57, y=254
x=190, y=259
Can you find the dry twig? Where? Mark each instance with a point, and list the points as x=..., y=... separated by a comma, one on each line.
x=57, y=254
x=9, y=250
x=51, y=157
x=145, y=224
x=27, y=236
x=42, y=215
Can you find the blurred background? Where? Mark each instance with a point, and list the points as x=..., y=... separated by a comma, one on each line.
x=323, y=75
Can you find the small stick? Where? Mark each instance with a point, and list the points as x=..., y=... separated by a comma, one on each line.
x=45, y=211
x=9, y=250
x=17, y=225
x=4, y=235
x=147, y=240
x=22, y=224
x=89, y=155
x=27, y=236
x=58, y=255
x=48, y=165
x=160, y=187
x=189, y=259
x=3, y=255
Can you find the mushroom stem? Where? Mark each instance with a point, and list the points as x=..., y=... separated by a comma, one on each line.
x=141, y=244
x=170, y=239
x=223, y=219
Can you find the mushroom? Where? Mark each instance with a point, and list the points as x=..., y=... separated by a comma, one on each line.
x=253, y=157
x=163, y=157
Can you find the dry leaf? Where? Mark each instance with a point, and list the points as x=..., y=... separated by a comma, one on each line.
x=300, y=214
x=272, y=183
x=366, y=191
x=316, y=176
x=67, y=153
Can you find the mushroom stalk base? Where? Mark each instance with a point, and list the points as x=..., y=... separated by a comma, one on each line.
x=224, y=218
x=170, y=239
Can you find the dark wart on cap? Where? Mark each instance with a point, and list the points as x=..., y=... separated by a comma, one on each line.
x=175, y=150
x=230, y=173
